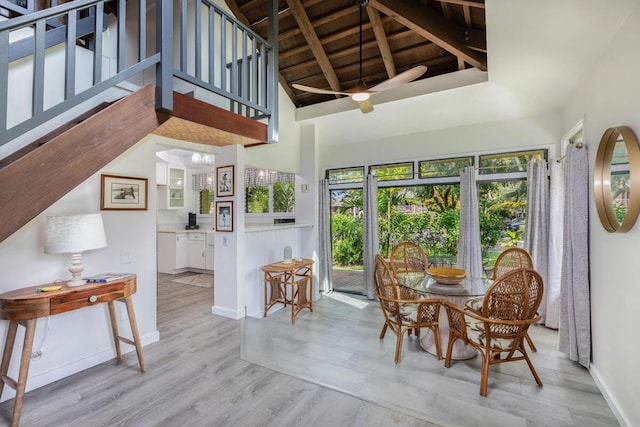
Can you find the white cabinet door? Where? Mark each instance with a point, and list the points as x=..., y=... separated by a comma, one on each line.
x=171, y=194
x=197, y=250
x=182, y=250
x=208, y=252
x=173, y=252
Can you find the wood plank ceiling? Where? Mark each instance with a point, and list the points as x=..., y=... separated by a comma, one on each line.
x=319, y=40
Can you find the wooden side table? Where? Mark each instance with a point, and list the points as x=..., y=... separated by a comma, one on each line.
x=297, y=274
x=24, y=306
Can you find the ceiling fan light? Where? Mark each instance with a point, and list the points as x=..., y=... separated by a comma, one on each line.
x=360, y=96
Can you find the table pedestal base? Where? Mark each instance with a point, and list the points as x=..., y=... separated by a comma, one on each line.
x=460, y=350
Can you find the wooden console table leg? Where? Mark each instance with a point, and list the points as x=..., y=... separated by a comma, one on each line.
x=25, y=360
x=6, y=354
x=134, y=331
x=114, y=329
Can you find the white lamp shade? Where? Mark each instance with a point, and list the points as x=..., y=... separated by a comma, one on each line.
x=74, y=233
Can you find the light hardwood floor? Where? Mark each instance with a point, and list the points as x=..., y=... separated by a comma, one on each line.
x=195, y=377
x=329, y=369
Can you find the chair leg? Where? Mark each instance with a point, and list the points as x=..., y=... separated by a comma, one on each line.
x=447, y=359
x=484, y=376
x=533, y=371
x=399, y=346
x=530, y=342
x=384, y=330
x=436, y=336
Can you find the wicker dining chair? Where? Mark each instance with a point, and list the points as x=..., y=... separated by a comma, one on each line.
x=510, y=259
x=498, y=332
x=408, y=257
x=402, y=314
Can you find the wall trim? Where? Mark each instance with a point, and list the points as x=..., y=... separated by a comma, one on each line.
x=77, y=366
x=611, y=401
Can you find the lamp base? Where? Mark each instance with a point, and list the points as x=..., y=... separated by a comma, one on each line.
x=76, y=282
x=76, y=268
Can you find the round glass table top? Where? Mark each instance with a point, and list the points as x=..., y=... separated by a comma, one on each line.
x=426, y=284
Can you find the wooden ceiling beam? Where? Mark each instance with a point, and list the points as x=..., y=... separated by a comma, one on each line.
x=432, y=26
x=466, y=10
x=314, y=43
x=383, y=43
x=353, y=50
x=470, y=3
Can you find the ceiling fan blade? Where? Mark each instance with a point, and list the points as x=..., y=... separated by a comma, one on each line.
x=365, y=106
x=402, y=78
x=316, y=90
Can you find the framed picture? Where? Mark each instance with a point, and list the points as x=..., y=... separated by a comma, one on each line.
x=119, y=193
x=224, y=216
x=225, y=180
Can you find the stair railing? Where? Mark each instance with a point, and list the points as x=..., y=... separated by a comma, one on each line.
x=229, y=61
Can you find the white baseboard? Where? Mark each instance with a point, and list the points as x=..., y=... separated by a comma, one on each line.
x=622, y=419
x=225, y=312
x=74, y=367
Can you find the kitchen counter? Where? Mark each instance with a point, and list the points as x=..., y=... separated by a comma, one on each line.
x=252, y=228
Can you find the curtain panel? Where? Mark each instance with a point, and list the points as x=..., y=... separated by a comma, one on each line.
x=325, y=262
x=469, y=248
x=371, y=243
x=575, y=310
x=536, y=240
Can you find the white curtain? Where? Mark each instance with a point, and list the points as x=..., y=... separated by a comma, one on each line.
x=575, y=314
x=371, y=245
x=325, y=264
x=469, y=248
x=556, y=227
x=536, y=240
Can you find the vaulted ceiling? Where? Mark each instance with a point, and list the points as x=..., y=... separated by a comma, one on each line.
x=319, y=40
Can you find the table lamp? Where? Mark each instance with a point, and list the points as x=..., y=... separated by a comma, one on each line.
x=74, y=234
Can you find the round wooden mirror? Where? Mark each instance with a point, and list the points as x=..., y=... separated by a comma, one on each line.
x=616, y=188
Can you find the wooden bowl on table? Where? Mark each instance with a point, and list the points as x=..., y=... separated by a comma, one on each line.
x=447, y=275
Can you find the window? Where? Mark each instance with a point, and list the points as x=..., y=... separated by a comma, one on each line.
x=393, y=172
x=269, y=191
x=346, y=175
x=443, y=167
x=203, y=184
x=509, y=162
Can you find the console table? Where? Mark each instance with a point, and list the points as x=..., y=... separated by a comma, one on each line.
x=24, y=306
x=299, y=275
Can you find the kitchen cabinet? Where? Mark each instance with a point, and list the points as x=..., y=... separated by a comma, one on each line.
x=171, y=195
x=197, y=249
x=173, y=252
x=208, y=251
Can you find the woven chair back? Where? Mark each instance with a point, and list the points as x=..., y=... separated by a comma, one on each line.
x=511, y=259
x=385, y=284
x=514, y=296
x=408, y=257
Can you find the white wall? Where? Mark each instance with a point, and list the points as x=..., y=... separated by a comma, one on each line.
x=610, y=96
x=285, y=154
x=543, y=131
x=81, y=339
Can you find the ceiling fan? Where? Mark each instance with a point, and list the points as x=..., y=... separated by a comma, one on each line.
x=361, y=92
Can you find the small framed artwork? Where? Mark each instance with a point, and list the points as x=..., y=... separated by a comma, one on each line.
x=123, y=193
x=224, y=216
x=225, y=181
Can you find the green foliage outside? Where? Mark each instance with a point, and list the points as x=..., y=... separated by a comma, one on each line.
x=257, y=199
x=284, y=197
x=433, y=223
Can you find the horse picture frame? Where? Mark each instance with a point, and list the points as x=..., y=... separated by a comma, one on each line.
x=118, y=193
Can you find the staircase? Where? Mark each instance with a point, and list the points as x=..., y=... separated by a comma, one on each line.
x=38, y=173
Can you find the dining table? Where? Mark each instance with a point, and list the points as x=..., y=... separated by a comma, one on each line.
x=428, y=287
